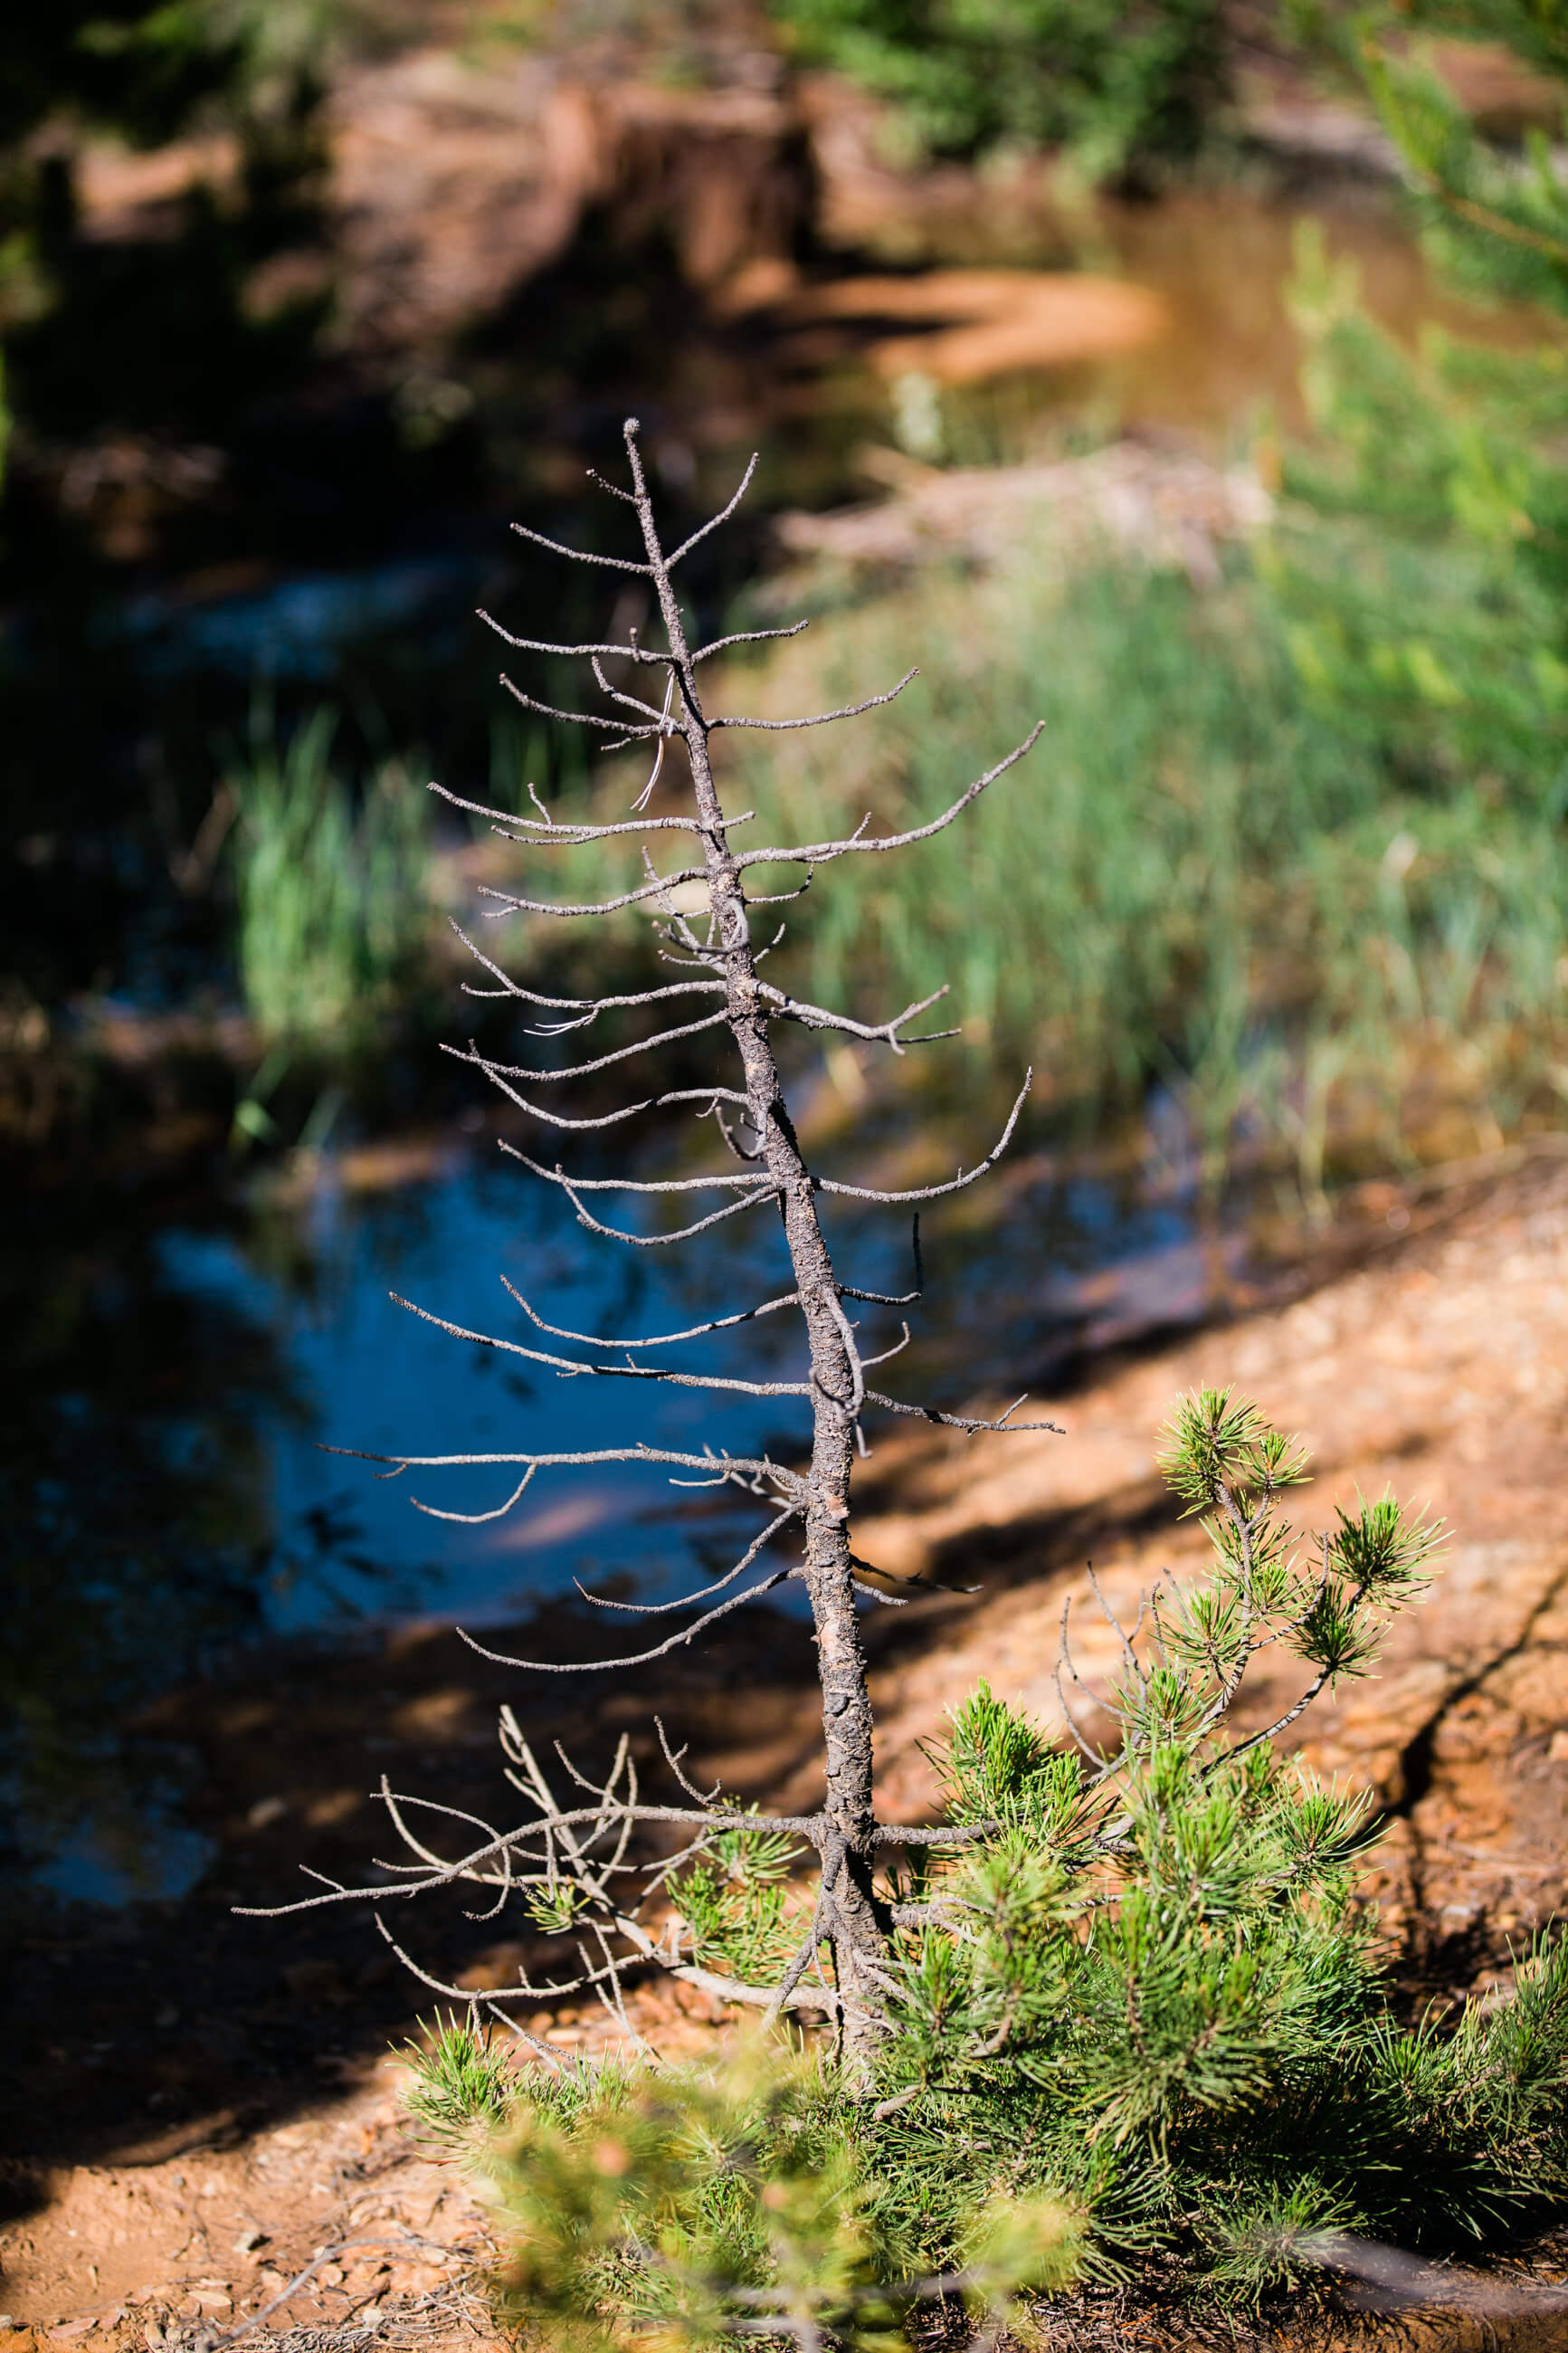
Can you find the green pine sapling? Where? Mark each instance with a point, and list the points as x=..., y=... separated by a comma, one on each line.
x=1140, y=2012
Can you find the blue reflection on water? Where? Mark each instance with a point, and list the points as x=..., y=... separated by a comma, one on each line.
x=1064, y=1257
x=297, y=627
x=377, y=1378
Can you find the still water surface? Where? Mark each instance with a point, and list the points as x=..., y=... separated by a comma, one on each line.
x=208, y=1513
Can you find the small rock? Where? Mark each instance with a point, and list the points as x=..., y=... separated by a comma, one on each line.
x=249, y=2240
x=265, y=1812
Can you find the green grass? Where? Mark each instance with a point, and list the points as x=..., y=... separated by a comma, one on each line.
x=331, y=890
x=1205, y=874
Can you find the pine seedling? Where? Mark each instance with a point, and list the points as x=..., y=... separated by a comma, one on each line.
x=460, y=2090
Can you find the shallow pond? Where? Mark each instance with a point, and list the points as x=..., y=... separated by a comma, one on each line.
x=179, y=1388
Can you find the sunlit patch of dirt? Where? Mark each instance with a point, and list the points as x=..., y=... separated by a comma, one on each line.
x=186, y=2081
x=975, y=323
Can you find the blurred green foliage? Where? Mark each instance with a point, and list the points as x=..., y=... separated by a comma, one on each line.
x=1424, y=601
x=669, y=2209
x=1117, y=87
x=333, y=889
x=1421, y=570
x=144, y=73
x=1209, y=874
x=171, y=304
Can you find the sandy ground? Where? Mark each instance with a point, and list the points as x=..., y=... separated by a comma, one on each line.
x=200, y=2106
x=1440, y=1373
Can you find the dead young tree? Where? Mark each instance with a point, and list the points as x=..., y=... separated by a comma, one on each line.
x=570, y=1862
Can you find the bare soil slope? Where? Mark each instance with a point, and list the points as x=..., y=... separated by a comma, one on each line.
x=197, y=2105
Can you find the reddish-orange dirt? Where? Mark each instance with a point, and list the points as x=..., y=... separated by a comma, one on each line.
x=197, y=2103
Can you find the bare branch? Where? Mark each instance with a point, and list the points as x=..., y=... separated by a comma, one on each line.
x=569, y=1367
x=553, y=833
x=638, y=1658
x=629, y=733
x=818, y=853
x=681, y=1233
x=722, y=1989
x=819, y=1016
x=744, y=638
x=806, y=1826
x=659, y=1339
x=955, y=1184
x=714, y=521
x=663, y=883
x=632, y=653
x=477, y=1519
x=959, y=1420
x=727, y=1466
x=821, y=718
x=690, y=1600
x=665, y=730
x=896, y=1577
x=605, y=1119
x=898, y=1298
x=632, y=701
x=582, y=554
x=672, y=1758
x=600, y=1062
x=726, y=1177
x=613, y=489
x=933, y=1834
x=588, y=1005
x=1096, y=1757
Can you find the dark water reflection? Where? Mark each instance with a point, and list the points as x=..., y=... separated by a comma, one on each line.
x=167, y=1495
x=137, y=1521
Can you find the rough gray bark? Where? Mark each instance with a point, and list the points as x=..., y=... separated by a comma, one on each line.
x=853, y=1924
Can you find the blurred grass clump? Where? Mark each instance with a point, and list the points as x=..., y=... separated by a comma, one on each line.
x=679, y=2207
x=1210, y=875
x=1119, y=91
x=332, y=887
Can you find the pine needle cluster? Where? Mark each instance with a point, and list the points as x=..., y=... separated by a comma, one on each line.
x=1137, y=2013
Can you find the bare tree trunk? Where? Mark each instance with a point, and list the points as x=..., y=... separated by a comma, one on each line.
x=850, y=1913
x=576, y=1855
